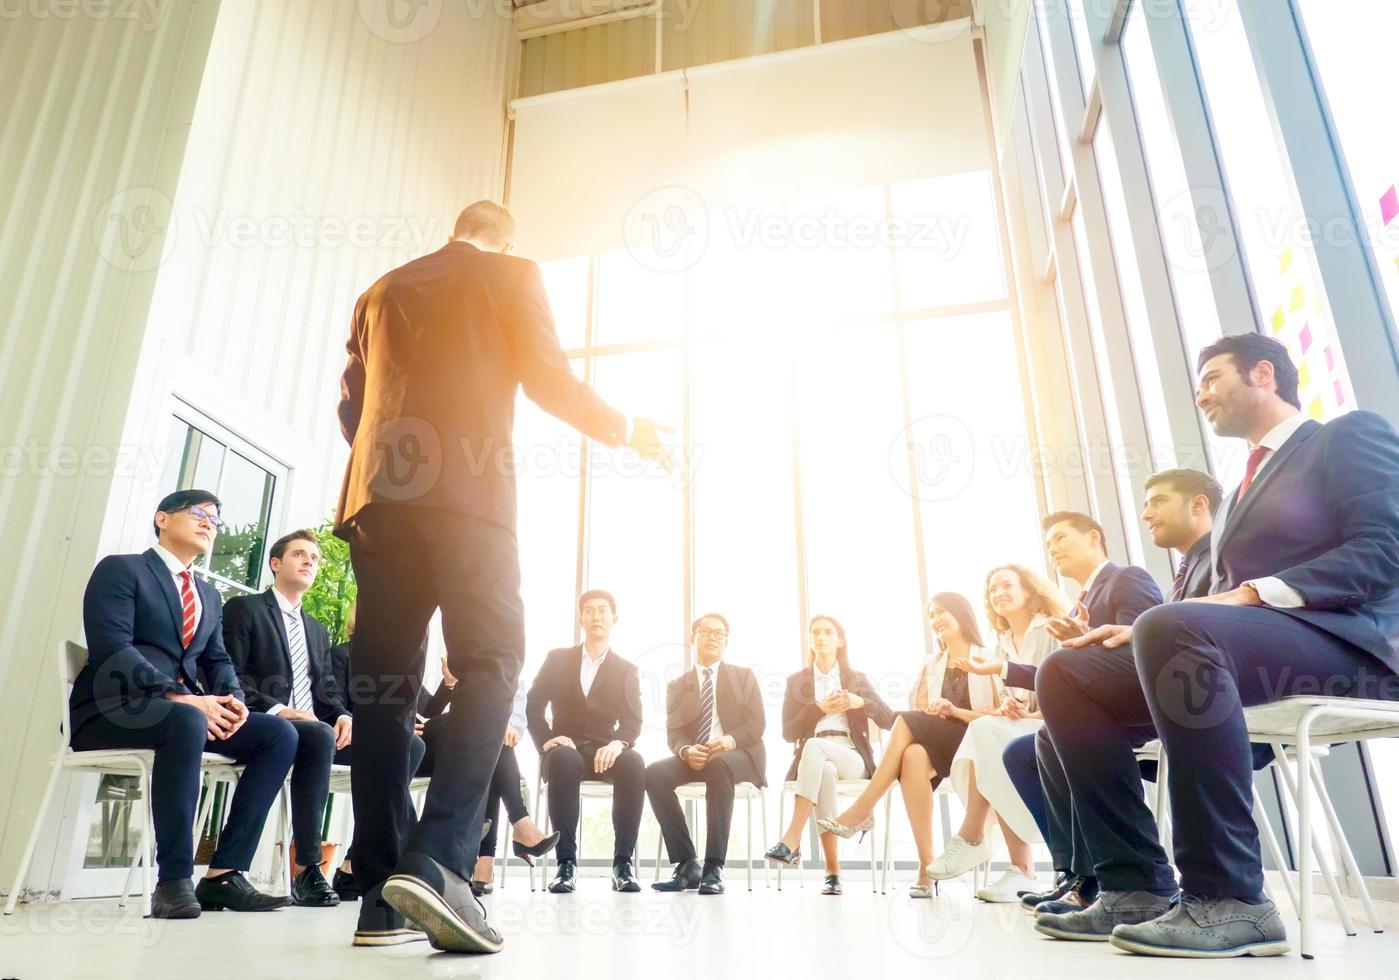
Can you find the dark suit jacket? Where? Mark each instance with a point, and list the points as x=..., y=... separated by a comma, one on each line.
x=1323, y=516
x=438, y=348
x=800, y=714
x=1118, y=596
x=132, y=619
x=611, y=710
x=740, y=707
x=1197, y=569
x=256, y=641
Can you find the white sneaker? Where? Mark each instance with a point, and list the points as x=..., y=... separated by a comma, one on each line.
x=1007, y=888
x=958, y=858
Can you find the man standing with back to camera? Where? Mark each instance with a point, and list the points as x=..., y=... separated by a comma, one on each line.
x=438, y=348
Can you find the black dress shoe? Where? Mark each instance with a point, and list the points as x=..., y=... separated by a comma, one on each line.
x=1062, y=884
x=780, y=853
x=832, y=886
x=712, y=880
x=624, y=878
x=234, y=892
x=174, y=900
x=564, y=878
x=380, y=924
x=440, y=902
x=345, y=886
x=310, y=889
x=685, y=877
x=479, y=888
x=528, y=854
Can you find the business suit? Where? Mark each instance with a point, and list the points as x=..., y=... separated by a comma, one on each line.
x=738, y=710
x=818, y=763
x=256, y=639
x=132, y=619
x=1322, y=515
x=438, y=349
x=609, y=711
x=1117, y=596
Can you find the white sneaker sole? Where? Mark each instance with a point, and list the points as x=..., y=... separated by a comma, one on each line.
x=1075, y=937
x=1276, y=948
x=390, y=937
x=997, y=898
x=421, y=905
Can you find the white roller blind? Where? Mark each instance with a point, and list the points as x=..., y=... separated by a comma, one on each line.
x=593, y=167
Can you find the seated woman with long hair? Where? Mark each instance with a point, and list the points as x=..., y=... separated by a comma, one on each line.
x=924, y=741
x=826, y=712
x=1019, y=606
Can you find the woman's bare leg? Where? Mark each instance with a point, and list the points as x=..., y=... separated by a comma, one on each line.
x=1021, y=853
x=900, y=738
x=973, y=829
x=829, y=845
x=915, y=781
x=801, y=811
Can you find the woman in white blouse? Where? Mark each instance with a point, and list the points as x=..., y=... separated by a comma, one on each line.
x=923, y=742
x=1019, y=605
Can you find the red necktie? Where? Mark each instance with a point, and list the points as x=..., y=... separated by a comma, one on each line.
x=1255, y=460
x=187, y=601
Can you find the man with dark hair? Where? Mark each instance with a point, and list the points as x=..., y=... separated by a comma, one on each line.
x=1304, y=599
x=595, y=697
x=1179, y=512
x=153, y=629
x=438, y=350
x=1111, y=593
x=714, y=724
x=282, y=655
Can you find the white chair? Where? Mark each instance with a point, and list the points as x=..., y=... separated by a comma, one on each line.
x=695, y=791
x=846, y=789
x=981, y=874
x=72, y=657
x=1306, y=722
x=588, y=789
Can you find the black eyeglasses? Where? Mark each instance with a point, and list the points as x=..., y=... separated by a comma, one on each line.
x=705, y=633
x=200, y=514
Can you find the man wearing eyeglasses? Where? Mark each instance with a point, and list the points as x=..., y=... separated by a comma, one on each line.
x=714, y=724
x=153, y=629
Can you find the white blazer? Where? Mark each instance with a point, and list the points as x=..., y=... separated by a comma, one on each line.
x=982, y=692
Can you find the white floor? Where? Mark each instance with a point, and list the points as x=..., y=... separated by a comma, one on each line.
x=596, y=933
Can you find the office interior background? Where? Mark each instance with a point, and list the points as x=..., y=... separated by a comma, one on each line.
x=905, y=276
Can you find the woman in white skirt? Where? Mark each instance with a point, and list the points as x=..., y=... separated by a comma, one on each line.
x=1019, y=605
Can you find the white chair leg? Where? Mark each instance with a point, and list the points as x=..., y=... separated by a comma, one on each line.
x=1343, y=846
x=505, y=852
x=888, y=833
x=1310, y=843
x=541, y=807
x=658, y=857
x=33, y=841
x=287, y=836
x=781, y=812
x=748, y=851
x=1270, y=841
x=763, y=820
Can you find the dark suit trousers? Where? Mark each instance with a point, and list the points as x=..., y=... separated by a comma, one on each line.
x=720, y=776
x=1191, y=670
x=409, y=562
x=507, y=788
x=310, y=787
x=179, y=736
x=565, y=770
x=417, y=765
x=1024, y=771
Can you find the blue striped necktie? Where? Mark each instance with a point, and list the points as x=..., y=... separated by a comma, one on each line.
x=300, y=664
x=706, y=706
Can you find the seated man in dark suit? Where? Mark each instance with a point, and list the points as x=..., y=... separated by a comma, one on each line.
x=281, y=653
x=1110, y=593
x=152, y=628
x=595, y=698
x=714, y=724
x=1304, y=599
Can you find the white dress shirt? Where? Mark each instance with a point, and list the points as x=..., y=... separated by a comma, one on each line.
x=289, y=613
x=1274, y=591
x=716, y=730
x=587, y=672
x=826, y=685
x=177, y=570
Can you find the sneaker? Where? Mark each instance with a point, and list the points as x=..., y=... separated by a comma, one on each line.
x=1207, y=928
x=1096, y=923
x=1008, y=887
x=958, y=858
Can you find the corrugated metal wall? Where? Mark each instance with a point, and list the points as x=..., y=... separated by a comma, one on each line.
x=97, y=112
x=324, y=149
x=700, y=32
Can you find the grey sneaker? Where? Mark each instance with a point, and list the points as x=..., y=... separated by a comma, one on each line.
x=1095, y=923
x=440, y=902
x=1208, y=928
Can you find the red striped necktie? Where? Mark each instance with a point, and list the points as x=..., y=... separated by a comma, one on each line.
x=1255, y=460
x=187, y=602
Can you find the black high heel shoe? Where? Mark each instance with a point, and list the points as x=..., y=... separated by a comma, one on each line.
x=528, y=854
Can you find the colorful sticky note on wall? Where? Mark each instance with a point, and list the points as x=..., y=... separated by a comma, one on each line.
x=1315, y=409
x=1340, y=393
x=1389, y=204
x=1299, y=296
x=1305, y=337
x=1330, y=359
x=1304, y=374
x=1278, y=318
x=1285, y=259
